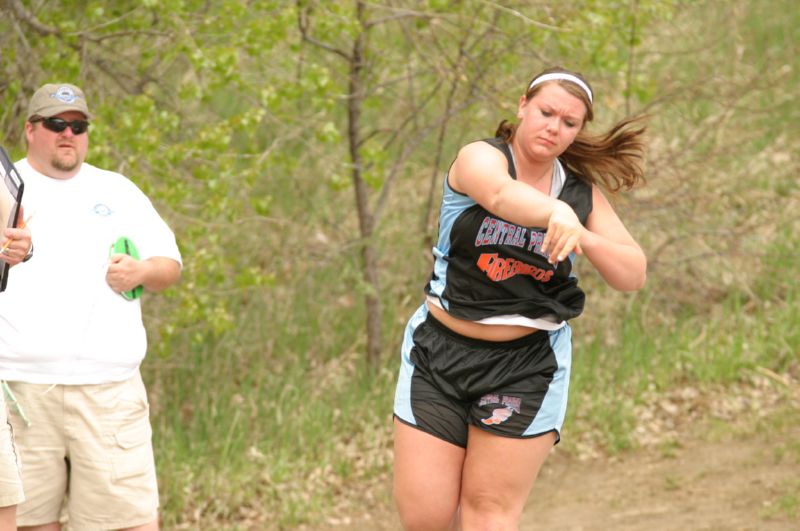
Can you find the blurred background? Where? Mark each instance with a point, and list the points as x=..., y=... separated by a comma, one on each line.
x=298, y=150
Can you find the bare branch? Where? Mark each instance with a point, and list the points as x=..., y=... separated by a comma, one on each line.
x=303, y=26
x=28, y=18
x=522, y=17
x=120, y=34
x=399, y=16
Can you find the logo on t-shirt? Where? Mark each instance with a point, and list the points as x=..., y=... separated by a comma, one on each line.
x=102, y=210
x=502, y=234
x=499, y=269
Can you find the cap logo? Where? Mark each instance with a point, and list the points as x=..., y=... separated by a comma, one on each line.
x=65, y=94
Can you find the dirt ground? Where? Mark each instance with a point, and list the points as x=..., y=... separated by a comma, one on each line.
x=733, y=484
x=732, y=463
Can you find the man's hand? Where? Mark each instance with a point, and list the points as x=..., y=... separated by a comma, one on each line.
x=124, y=273
x=16, y=245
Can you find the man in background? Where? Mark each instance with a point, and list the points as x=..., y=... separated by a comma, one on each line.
x=71, y=331
x=16, y=248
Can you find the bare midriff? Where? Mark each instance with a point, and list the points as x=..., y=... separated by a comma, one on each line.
x=486, y=332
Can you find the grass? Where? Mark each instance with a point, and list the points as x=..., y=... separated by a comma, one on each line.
x=789, y=503
x=786, y=503
x=272, y=421
x=749, y=329
x=699, y=350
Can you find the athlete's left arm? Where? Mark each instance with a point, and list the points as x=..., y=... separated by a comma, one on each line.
x=610, y=247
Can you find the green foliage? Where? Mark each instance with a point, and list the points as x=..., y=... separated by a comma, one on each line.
x=192, y=149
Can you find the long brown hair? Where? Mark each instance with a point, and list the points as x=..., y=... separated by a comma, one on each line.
x=613, y=160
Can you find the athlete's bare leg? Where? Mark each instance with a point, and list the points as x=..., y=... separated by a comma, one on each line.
x=427, y=479
x=498, y=475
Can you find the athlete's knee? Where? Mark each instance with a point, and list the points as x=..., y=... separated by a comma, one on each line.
x=427, y=522
x=421, y=515
x=488, y=510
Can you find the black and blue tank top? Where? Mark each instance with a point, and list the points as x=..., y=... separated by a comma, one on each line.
x=486, y=266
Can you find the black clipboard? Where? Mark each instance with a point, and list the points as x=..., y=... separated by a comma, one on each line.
x=10, y=199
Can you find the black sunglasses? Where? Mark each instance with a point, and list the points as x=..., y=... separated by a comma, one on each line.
x=58, y=125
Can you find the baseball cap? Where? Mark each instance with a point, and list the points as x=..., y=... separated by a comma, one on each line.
x=55, y=98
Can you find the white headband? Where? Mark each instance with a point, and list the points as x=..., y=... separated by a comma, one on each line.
x=566, y=77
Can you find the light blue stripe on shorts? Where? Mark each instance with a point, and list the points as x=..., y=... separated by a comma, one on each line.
x=402, y=394
x=554, y=406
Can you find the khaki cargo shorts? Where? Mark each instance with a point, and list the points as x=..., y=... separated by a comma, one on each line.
x=90, y=444
x=10, y=480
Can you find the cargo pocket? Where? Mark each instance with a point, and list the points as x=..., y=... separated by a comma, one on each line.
x=134, y=453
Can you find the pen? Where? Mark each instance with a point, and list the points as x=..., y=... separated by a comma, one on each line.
x=8, y=242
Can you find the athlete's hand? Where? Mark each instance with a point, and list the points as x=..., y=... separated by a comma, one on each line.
x=564, y=233
x=124, y=273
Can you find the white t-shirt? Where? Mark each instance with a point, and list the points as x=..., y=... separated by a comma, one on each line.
x=60, y=322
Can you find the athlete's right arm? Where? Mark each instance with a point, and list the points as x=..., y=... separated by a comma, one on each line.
x=481, y=172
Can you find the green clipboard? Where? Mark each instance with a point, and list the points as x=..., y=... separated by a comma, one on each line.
x=124, y=245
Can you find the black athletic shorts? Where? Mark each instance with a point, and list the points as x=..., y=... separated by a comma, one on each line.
x=510, y=388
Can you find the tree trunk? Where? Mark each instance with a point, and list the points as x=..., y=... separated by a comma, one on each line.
x=366, y=220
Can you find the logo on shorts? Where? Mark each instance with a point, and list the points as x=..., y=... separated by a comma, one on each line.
x=510, y=405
